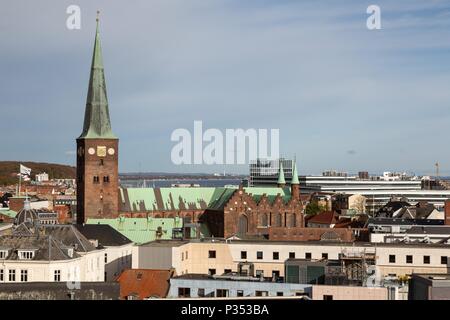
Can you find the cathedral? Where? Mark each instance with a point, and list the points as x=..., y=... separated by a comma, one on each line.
x=219, y=212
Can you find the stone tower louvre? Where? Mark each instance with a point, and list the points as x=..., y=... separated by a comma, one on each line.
x=97, y=150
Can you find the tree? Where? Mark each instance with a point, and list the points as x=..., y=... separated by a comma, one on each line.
x=314, y=208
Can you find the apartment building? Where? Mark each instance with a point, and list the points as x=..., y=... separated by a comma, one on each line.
x=268, y=258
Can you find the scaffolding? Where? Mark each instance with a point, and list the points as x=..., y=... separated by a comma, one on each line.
x=356, y=263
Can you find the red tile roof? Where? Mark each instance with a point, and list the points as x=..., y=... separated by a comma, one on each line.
x=144, y=283
x=327, y=217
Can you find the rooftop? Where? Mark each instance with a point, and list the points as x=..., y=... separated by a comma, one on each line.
x=104, y=234
x=177, y=243
x=144, y=283
x=195, y=198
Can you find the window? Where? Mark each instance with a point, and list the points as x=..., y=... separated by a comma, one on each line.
x=276, y=256
x=259, y=255
x=240, y=293
x=101, y=162
x=324, y=255
x=184, y=292
x=243, y=254
x=12, y=275
x=278, y=220
x=426, y=259
x=392, y=258
x=443, y=260
x=308, y=255
x=186, y=255
x=106, y=258
x=26, y=255
x=221, y=293
x=24, y=275
x=327, y=297
x=409, y=259
x=182, y=256
x=96, y=179
x=261, y=293
x=57, y=275
x=201, y=292
x=2, y=276
x=211, y=272
x=106, y=179
x=291, y=255
x=275, y=274
x=280, y=294
x=212, y=254
x=226, y=271
x=3, y=254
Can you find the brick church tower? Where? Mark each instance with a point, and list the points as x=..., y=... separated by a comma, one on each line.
x=97, y=150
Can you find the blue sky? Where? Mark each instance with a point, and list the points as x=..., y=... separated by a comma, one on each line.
x=343, y=97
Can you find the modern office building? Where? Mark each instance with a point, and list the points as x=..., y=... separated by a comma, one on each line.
x=265, y=172
x=377, y=190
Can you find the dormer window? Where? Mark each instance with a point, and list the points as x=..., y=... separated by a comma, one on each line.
x=70, y=252
x=3, y=254
x=26, y=254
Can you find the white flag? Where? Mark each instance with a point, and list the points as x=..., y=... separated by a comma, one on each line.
x=24, y=170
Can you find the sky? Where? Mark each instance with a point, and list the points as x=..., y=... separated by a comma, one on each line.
x=343, y=97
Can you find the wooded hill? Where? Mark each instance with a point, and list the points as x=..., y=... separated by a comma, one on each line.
x=10, y=169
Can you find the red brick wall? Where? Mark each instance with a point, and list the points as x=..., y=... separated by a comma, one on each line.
x=16, y=204
x=447, y=212
x=97, y=200
x=242, y=203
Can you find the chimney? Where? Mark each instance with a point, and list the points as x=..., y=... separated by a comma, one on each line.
x=447, y=212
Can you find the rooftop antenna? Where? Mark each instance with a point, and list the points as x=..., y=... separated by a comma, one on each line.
x=437, y=170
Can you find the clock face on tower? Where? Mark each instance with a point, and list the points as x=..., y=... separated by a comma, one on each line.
x=111, y=151
x=91, y=151
x=101, y=151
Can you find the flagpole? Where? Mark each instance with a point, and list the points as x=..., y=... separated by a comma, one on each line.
x=20, y=182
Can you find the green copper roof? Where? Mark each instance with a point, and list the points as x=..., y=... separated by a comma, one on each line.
x=295, y=175
x=270, y=192
x=281, y=174
x=170, y=199
x=197, y=198
x=96, y=118
x=7, y=212
x=141, y=230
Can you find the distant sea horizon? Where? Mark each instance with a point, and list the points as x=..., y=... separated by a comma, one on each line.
x=164, y=183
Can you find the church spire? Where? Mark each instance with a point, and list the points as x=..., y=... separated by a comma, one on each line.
x=281, y=182
x=295, y=174
x=96, y=118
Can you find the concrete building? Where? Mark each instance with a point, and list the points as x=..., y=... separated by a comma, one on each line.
x=59, y=291
x=41, y=177
x=117, y=248
x=231, y=286
x=323, y=292
x=417, y=234
x=377, y=192
x=390, y=260
x=429, y=287
x=264, y=172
